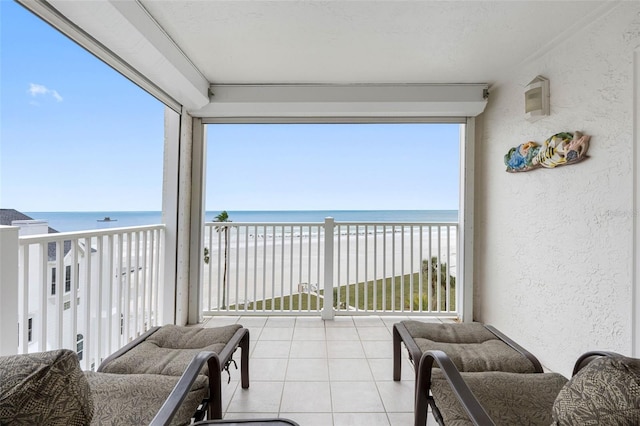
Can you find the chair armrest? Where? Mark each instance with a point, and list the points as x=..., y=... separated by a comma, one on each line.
x=536, y=364
x=587, y=357
x=467, y=399
x=182, y=388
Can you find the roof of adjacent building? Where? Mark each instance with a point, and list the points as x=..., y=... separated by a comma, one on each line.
x=8, y=216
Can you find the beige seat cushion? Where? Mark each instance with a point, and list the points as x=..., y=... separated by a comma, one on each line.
x=135, y=399
x=509, y=398
x=44, y=388
x=170, y=349
x=470, y=346
x=605, y=392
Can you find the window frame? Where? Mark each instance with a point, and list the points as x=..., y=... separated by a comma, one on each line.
x=466, y=207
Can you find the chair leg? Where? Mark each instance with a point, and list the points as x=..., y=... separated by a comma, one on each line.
x=215, y=389
x=216, y=400
x=397, y=356
x=420, y=415
x=244, y=360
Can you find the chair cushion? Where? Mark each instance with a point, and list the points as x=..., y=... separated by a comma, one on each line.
x=135, y=399
x=605, y=392
x=470, y=346
x=170, y=349
x=44, y=388
x=508, y=398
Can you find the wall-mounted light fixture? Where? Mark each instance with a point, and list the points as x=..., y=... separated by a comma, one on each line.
x=536, y=99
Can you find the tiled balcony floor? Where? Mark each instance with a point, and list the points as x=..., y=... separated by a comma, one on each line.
x=321, y=373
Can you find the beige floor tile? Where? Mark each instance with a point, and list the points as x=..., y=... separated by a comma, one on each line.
x=344, y=349
x=252, y=321
x=219, y=321
x=281, y=322
x=261, y=397
x=374, y=333
x=349, y=370
x=339, y=322
x=342, y=333
x=389, y=321
x=378, y=348
x=360, y=419
x=401, y=419
x=229, y=389
x=355, y=397
x=254, y=333
x=368, y=321
x=308, y=349
x=276, y=333
x=306, y=397
x=307, y=369
x=382, y=369
x=317, y=372
x=271, y=349
x=268, y=369
x=309, y=419
x=242, y=416
x=309, y=333
x=310, y=322
x=397, y=396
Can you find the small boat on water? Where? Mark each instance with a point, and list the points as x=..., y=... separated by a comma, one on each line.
x=107, y=219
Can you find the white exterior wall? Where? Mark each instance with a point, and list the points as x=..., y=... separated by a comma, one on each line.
x=554, y=248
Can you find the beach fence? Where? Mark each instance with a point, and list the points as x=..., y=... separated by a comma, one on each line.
x=348, y=268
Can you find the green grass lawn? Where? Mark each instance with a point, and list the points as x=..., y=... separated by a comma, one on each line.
x=388, y=294
x=297, y=302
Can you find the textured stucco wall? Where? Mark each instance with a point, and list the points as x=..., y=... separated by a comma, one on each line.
x=553, y=247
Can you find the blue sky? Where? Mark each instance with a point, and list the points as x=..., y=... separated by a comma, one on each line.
x=77, y=136
x=333, y=166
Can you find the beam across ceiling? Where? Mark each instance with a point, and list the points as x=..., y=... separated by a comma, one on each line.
x=345, y=100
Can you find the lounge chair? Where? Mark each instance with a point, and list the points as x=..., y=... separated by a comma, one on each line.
x=604, y=390
x=167, y=350
x=50, y=388
x=471, y=346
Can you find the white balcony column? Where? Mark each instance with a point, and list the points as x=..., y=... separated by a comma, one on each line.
x=183, y=215
x=176, y=215
x=9, y=247
x=196, y=249
x=328, y=312
x=465, y=219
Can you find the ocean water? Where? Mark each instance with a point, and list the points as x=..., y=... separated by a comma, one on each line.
x=82, y=221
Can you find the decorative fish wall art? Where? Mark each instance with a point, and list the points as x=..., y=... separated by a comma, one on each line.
x=559, y=150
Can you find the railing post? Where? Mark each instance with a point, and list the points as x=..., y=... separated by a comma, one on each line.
x=9, y=246
x=327, y=309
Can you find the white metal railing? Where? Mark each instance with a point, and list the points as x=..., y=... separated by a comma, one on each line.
x=354, y=267
x=90, y=291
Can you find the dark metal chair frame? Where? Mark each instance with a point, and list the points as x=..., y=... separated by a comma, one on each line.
x=216, y=363
x=401, y=335
x=476, y=412
x=279, y=421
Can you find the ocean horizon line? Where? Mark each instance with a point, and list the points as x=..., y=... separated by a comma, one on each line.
x=68, y=221
x=243, y=210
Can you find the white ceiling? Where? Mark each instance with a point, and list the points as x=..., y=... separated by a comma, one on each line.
x=183, y=46
x=363, y=41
